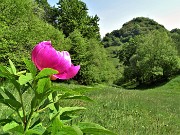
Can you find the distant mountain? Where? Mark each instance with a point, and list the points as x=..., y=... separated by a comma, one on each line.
x=136, y=26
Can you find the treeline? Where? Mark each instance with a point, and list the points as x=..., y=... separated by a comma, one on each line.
x=24, y=23
x=141, y=52
x=146, y=52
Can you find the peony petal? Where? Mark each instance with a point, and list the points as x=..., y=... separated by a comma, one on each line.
x=44, y=55
x=46, y=58
x=38, y=48
x=64, y=62
x=70, y=73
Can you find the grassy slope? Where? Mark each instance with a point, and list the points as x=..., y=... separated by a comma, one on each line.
x=129, y=112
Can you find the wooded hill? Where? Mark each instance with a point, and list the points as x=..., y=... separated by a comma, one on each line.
x=134, y=27
x=145, y=51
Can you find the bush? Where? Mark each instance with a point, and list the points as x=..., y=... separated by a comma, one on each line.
x=155, y=59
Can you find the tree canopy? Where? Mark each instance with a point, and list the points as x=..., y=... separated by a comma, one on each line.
x=132, y=28
x=73, y=14
x=22, y=28
x=155, y=58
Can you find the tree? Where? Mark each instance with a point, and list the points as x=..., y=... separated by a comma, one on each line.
x=127, y=51
x=111, y=40
x=175, y=34
x=73, y=15
x=21, y=28
x=155, y=58
x=46, y=12
x=90, y=54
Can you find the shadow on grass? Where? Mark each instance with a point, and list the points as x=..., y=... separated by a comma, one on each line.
x=146, y=86
x=152, y=85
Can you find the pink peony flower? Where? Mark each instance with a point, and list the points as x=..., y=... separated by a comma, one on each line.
x=45, y=56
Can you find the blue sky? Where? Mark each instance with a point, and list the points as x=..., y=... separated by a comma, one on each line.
x=114, y=13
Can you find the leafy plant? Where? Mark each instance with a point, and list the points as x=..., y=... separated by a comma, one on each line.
x=27, y=119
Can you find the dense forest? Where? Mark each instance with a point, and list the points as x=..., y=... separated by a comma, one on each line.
x=141, y=52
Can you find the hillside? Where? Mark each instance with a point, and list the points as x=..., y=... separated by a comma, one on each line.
x=142, y=50
x=139, y=111
x=130, y=29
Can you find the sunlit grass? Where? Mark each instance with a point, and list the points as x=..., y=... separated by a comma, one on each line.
x=153, y=111
x=135, y=112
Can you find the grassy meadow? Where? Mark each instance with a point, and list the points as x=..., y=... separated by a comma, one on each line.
x=154, y=111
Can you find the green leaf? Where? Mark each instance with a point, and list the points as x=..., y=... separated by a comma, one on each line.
x=67, y=118
x=38, y=130
x=68, y=130
x=10, y=95
x=92, y=128
x=67, y=110
x=3, y=69
x=56, y=125
x=5, y=121
x=23, y=79
x=31, y=67
x=4, y=72
x=9, y=126
x=45, y=103
x=46, y=72
x=13, y=68
x=21, y=72
x=54, y=96
x=35, y=121
x=56, y=122
x=33, y=102
x=18, y=130
x=78, y=130
x=15, y=83
x=53, y=114
x=43, y=85
x=25, y=87
x=1, y=97
x=57, y=128
x=80, y=97
x=14, y=104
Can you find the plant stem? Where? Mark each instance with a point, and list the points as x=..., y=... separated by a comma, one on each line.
x=30, y=115
x=29, y=120
x=23, y=109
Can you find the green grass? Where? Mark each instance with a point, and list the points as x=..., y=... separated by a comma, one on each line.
x=143, y=112
x=153, y=111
